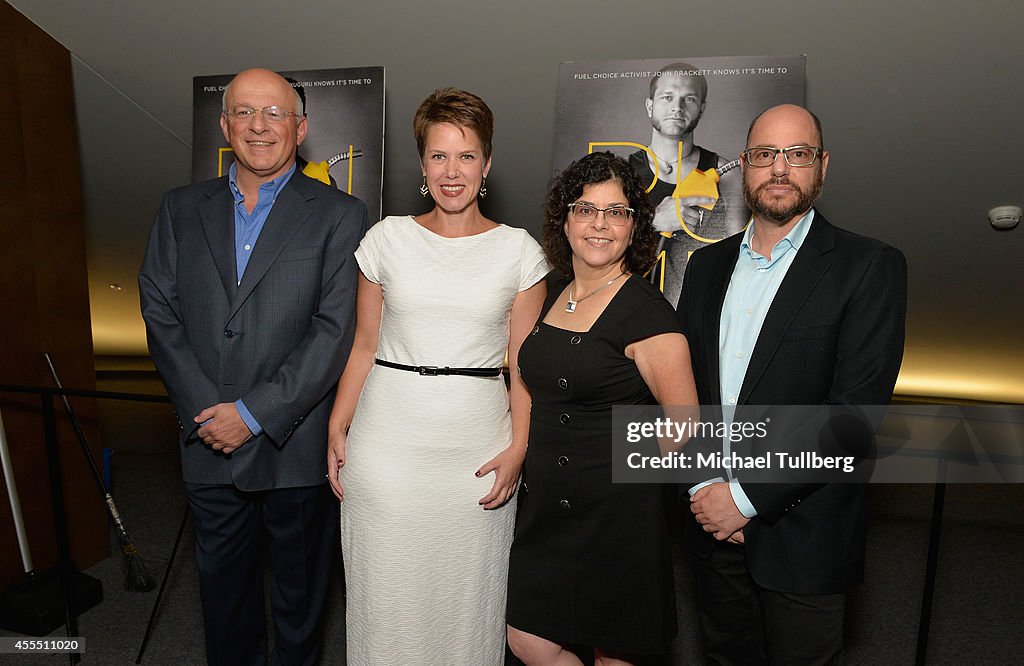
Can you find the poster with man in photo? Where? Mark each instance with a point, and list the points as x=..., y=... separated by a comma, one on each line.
x=344, y=144
x=681, y=123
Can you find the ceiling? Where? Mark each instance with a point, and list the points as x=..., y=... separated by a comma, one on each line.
x=920, y=103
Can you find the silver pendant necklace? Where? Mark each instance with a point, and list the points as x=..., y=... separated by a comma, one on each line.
x=668, y=166
x=570, y=305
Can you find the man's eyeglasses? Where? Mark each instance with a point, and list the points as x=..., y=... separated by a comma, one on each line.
x=584, y=212
x=796, y=156
x=274, y=114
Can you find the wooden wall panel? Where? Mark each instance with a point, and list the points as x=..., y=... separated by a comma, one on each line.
x=44, y=299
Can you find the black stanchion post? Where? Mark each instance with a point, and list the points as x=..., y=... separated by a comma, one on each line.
x=924, y=626
x=163, y=585
x=60, y=519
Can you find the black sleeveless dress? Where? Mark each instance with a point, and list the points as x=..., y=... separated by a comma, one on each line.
x=591, y=562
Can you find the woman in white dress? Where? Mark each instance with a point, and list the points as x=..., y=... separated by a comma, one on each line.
x=426, y=443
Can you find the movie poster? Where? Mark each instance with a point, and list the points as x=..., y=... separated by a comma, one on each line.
x=344, y=141
x=681, y=123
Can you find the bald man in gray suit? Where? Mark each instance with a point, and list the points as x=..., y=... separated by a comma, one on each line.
x=248, y=293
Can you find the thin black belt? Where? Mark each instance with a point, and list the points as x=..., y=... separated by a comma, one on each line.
x=433, y=370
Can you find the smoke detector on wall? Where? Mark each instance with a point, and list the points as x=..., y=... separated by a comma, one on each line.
x=1004, y=217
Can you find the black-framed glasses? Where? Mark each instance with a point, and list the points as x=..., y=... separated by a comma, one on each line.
x=584, y=212
x=796, y=156
x=274, y=114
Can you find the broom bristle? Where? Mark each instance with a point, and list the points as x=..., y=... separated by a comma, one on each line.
x=136, y=575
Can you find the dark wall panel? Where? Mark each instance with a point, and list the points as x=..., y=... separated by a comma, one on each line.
x=44, y=300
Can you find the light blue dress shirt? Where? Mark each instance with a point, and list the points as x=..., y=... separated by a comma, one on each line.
x=752, y=288
x=247, y=231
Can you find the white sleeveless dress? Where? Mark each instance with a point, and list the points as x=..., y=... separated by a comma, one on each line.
x=425, y=565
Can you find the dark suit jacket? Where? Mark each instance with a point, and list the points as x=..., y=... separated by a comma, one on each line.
x=278, y=341
x=833, y=335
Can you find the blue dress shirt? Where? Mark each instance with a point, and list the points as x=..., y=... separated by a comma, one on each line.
x=247, y=231
x=752, y=288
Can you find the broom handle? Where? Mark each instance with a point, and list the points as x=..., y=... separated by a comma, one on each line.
x=134, y=567
x=12, y=494
x=83, y=442
x=122, y=531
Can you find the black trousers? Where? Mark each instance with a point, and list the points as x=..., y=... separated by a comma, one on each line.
x=298, y=526
x=743, y=623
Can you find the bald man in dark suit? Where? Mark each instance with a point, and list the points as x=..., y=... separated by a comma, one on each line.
x=793, y=311
x=248, y=293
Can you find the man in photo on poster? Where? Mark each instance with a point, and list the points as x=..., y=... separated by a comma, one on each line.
x=696, y=192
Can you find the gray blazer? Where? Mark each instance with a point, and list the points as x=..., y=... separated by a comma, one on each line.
x=279, y=340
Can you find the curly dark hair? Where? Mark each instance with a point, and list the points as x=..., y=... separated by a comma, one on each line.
x=567, y=187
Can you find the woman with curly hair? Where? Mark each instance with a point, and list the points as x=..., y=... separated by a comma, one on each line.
x=591, y=564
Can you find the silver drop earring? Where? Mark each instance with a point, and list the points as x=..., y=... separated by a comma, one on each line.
x=424, y=190
x=483, y=188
